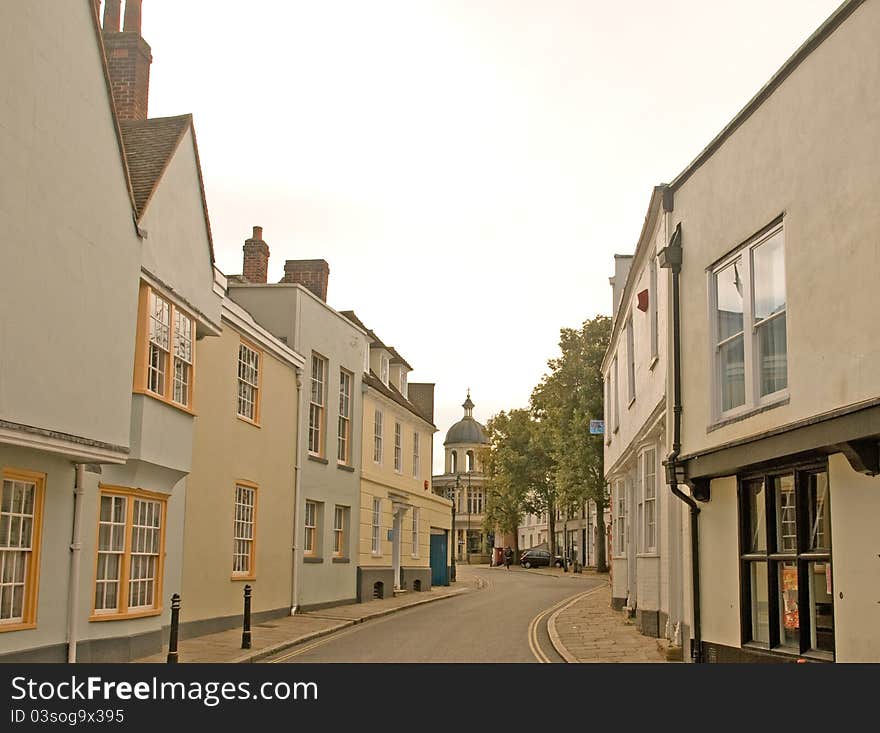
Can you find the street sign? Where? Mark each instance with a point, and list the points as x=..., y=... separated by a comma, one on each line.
x=597, y=427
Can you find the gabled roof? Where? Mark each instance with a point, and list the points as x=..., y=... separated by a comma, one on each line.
x=376, y=341
x=372, y=380
x=149, y=147
x=397, y=358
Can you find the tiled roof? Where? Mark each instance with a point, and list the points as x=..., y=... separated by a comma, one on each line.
x=350, y=315
x=397, y=358
x=373, y=381
x=149, y=146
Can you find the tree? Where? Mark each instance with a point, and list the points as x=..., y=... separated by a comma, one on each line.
x=505, y=469
x=565, y=401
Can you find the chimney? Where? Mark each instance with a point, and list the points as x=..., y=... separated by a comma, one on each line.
x=312, y=274
x=128, y=60
x=256, y=258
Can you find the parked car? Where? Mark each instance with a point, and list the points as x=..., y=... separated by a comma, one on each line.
x=538, y=558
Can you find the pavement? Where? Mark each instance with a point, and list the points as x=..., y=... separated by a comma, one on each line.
x=276, y=635
x=588, y=630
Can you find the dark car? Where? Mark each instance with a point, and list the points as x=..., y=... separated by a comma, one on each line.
x=537, y=558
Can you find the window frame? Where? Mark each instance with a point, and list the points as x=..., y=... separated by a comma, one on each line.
x=257, y=388
x=645, y=501
x=631, y=361
x=169, y=356
x=772, y=558
x=339, y=531
x=619, y=518
x=415, y=533
x=123, y=610
x=317, y=429
x=417, y=458
x=616, y=388
x=654, y=308
x=343, y=428
x=376, y=527
x=30, y=600
x=310, y=530
x=398, y=446
x=378, y=435
x=753, y=400
x=251, y=572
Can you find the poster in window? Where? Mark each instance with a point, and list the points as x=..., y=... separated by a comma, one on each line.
x=790, y=597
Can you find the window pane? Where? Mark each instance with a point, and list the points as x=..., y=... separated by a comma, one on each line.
x=820, y=517
x=821, y=607
x=768, y=264
x=786, y=514
x=729, y=299
x=757, y=539
x=733, y=380
x=772, y=356
x=760, y=607
x=789, y=620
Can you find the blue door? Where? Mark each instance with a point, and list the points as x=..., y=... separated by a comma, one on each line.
x=439, y=575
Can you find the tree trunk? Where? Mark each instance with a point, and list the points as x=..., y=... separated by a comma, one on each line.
x=551, y=529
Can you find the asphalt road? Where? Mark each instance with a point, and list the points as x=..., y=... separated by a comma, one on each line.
x=502, y=622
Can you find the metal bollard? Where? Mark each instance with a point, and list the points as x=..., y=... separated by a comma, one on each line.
x=246, y=631
x=175, y=622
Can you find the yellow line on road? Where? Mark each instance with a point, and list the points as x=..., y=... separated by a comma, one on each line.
x=535, y=623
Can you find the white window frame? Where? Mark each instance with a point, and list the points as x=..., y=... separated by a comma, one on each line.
x=384, y=368
x=751, y=366
x=403, y=385
x=310, y=523
x=614, y=387
x=417, y=463
x=339, y=531
x=376, y=546
x=249, y=368
x=415, y=532
x=619, y=518
x=653, y=306
x=159, y=343
x=182, y=358
x=318, y=389
x=378, y=427
x=343, y=429
x=648, y=500
x=398, y=446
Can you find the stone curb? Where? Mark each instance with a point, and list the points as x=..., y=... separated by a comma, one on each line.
x=553, y=632
x=281, y=646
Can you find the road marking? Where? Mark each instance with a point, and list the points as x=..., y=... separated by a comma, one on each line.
x=534, y=644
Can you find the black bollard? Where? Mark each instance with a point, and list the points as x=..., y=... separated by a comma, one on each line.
x=175, y=622
x=246, y=631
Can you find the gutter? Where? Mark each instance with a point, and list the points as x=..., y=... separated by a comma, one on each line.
x=75, y=557
x=670, y=258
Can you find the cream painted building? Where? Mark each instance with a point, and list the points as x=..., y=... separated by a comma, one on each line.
x=240, y=496
x=774, y=245
x=404, y=526
x=646, y=537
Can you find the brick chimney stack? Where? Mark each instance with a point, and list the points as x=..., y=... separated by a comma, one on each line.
x=128, y=60
x=256, y=258
x=312, y=274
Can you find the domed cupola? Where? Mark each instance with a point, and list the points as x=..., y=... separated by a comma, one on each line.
x=466, y=431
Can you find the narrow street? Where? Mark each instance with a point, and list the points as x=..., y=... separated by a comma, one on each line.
x=505, y=621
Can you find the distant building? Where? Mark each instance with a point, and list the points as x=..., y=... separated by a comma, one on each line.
x=463, y=476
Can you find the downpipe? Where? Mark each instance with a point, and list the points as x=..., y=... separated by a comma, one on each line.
x=75, y=562
x=671, y=257
x=297, y=488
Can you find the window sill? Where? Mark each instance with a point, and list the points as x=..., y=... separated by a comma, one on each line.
x=21, y=626
x=647, y=554
x=375, y=554
x=343, y=560
x=312, y=559
x=318, y=459
x=654, y=361
x=724, y=422
x=242, y=577
x=125, y=616
x=248, y=421
x=415, y=557
x=345, y=467
x=164, y=401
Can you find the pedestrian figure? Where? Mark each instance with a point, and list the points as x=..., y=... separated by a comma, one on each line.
x=508, y=557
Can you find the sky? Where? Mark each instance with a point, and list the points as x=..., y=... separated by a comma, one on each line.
x=468, y=168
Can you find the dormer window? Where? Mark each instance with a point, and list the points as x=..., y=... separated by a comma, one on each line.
x=403, y=382
x=383, y=369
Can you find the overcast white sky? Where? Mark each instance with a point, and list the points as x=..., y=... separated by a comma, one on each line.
x=467, y=167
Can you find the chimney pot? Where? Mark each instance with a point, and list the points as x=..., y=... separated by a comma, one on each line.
x=132, y=16
x=258, y=233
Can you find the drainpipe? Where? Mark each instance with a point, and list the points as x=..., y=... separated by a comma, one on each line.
x=297, y=489
x=75, y=556
x=670, y=257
